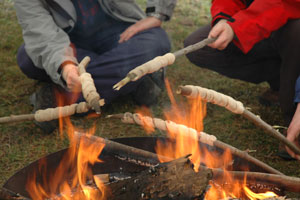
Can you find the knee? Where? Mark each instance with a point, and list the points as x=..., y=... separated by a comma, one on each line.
x=189, y=41
x=162, y=44
x=23, y=60
x=193, y=38
x=28, y=68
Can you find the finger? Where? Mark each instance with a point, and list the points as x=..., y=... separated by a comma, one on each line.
x=129, y=35
x=219, y=42
x=125, y=34
x=216, y=31
x=122, y=37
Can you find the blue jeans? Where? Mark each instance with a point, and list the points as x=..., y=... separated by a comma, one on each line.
x=110, y=67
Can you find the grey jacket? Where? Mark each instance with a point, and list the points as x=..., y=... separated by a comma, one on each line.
x=46, y=42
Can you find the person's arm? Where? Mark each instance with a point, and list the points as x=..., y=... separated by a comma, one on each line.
x=47, y=45
x=157, y=11
x=225, y=9
x=253, y=23
x=143, y=24
x=294, y=127
x=259, y=20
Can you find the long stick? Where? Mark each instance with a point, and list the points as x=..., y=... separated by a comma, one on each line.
x=131, y=154
x=235, y=107
x=160, y=62
x=49, y=113
x=189, y=132
x=287, y=183
x=16, y=118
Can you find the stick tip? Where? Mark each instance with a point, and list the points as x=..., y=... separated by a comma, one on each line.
x=120, y=84
x=179, y=89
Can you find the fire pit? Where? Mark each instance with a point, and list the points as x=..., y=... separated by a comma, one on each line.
x=118, y=165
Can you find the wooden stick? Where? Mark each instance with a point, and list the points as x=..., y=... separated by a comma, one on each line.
x=287, y=183
x=49, y=113
x=194, y=47
x=88, y=87
x=188, y=91
x=158, y=123
x=131, y=154
x=16, y=118
x=160, y=62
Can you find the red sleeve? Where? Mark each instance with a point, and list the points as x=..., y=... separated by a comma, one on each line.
x=257, y=22
x=225, y=9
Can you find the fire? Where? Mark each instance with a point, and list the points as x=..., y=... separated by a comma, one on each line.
x=191, y=114
x=253, y=196
x=73, y=177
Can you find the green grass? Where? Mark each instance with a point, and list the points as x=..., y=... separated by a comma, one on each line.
x=22, y=143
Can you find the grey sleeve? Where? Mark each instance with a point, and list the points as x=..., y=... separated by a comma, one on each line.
x=163, y=7
x=47, y=45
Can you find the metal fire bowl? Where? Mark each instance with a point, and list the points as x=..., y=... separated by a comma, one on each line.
x=111, y=164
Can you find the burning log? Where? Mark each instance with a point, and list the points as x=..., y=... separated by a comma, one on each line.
x=284, y=182
x=173, y=180
x=235, y=107
x=190, y=132
x=139, y=155
x=160, y=62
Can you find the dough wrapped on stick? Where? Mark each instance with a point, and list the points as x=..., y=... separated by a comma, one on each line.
x=160, y=62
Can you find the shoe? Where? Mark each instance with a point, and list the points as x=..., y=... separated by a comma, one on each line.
x=285, y=155
x=269, y=98
x=42, y=99
x=282, y=153
x=147, y=92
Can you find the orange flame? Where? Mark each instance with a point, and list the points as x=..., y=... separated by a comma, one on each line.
x=253, y=196
x=71, y=179
x=191, y=114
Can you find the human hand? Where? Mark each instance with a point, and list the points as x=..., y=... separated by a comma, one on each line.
x=224, y=34
x=143, y=24
x=293, y=132
x=70, y=74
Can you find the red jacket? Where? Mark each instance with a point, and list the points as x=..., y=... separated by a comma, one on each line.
x=254, y=20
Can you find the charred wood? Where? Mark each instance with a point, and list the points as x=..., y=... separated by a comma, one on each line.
x=173, y=180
